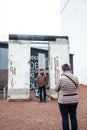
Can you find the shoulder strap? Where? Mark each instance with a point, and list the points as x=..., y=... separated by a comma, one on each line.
x=71, y=80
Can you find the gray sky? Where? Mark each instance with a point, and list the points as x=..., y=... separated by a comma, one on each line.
x=30, y=17
x=43, y=17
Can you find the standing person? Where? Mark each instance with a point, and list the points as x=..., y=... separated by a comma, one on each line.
x=41, y=82
x=66, y=87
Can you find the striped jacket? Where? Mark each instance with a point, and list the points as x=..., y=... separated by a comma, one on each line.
x=67, y=91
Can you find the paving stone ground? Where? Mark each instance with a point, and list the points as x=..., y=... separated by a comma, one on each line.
x=33, y=115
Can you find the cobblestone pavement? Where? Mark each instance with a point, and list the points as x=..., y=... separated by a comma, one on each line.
x=33, y=115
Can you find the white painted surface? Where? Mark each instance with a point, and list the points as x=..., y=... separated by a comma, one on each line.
x=41, y=60
x=58, y=54
x=19, y=69
x=74, y=24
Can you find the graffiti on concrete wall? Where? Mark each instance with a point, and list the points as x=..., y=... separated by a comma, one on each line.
x=34, y=65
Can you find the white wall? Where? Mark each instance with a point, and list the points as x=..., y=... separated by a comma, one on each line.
x=74, y=24
x=19, y=70
x=58, y=55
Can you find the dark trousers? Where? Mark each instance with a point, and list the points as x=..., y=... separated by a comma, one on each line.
x=68, y=110
x=44, y=93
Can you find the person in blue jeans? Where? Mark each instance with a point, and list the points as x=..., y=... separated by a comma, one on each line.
x=66, y=86
x=41, y=82
x=44, y=93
